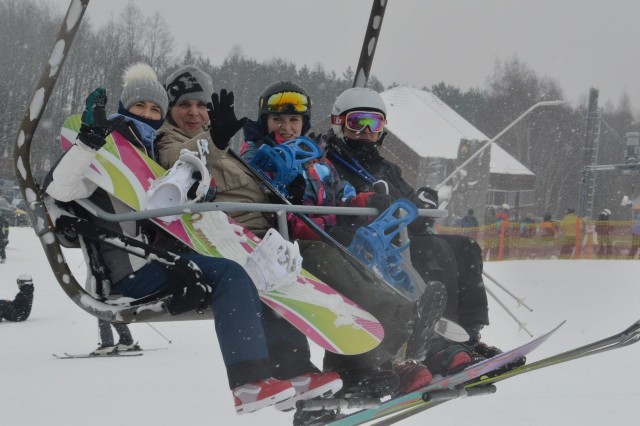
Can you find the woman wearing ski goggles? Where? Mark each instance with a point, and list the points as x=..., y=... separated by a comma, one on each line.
x=357, y=121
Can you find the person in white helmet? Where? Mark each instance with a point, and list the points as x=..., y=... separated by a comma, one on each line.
x=358, y=119
x=19, y=308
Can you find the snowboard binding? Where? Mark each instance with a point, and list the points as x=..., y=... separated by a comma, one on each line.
x=283, y=163
x=373, y=244
x=187, y=182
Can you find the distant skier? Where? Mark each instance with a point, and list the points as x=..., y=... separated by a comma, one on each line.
x=4, y=238
x=19, y=308
x=603, y=229
x=635, y=238
x=469, y=220
x=570, y=232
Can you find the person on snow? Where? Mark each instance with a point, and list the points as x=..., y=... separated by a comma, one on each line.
x=570, y=230
x=203, y=121
x=635, y=238
x=284, y=114
x=221, y=284
x=547, y=227
x=469, y=220
x=358, y=119
x=603, y=229
x=19, y=308
x=503, y=224
x=4, y=238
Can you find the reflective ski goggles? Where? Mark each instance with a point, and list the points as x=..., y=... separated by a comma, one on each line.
x=358, y=120
x=287, y=102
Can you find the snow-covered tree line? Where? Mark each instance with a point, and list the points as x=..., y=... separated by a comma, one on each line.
x=550, y=141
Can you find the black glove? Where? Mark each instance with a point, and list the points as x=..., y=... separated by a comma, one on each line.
x=95, y=126
x=296, y=190
x=316, y=138
x=380, y=201
x=427, y=198
x=224, y=123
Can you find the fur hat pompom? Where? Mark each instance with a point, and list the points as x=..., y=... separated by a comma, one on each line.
x=141, y=84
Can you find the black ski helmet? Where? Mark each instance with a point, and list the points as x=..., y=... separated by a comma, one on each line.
x=303, y=107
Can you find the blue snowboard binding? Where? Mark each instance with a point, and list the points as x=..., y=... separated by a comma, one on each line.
x=281, y=164
x=373, y=245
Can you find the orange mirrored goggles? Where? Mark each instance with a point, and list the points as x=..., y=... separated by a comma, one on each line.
x=283, y=102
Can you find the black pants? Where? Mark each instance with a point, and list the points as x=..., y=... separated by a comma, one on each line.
x=106, y=335
x=456, y=261
x=289, y=353
x=395, y=314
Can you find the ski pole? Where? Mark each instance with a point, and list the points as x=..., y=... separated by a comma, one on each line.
x=156, y=330
x=506, y=290
x=488, y=143
x=521, y=325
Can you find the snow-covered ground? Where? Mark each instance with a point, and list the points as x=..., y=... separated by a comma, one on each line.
x=186, y=383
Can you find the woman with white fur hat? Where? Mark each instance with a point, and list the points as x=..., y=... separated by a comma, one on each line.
x=141, y=111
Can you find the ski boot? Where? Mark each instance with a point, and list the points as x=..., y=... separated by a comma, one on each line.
x=105, y=350
x=311, y=385
x=128, y=347
x=411, y=377
x=368, y=383
x=487, y=351
x=255, y=395
x=448, y=357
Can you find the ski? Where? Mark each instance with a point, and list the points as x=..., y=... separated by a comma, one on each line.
x=625, y=338
x=440, y=386
x=92, y=355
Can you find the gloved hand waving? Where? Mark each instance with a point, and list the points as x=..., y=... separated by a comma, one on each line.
x=224, y=123
x=424, y=198
x=95, y=126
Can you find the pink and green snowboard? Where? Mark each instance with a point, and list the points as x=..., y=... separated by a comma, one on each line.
x=329, y=319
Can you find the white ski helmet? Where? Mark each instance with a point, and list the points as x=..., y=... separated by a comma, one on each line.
x=356, y=98
x=24, y=279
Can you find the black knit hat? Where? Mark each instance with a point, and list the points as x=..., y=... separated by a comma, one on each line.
x=189, y=83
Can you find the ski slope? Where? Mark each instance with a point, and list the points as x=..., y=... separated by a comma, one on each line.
x=186, y=384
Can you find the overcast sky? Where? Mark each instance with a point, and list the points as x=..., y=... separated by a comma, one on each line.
x=579, y=43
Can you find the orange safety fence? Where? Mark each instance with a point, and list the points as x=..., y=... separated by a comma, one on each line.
x=516, y=241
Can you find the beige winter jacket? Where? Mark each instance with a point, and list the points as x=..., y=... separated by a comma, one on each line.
x=234, y=180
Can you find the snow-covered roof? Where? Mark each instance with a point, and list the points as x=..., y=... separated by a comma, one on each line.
x=432, y=129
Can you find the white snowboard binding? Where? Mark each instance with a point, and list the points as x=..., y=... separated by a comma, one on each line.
x=274, y=262
x=187, y=182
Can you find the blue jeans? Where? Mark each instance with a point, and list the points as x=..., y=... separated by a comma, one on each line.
x=235, y=303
